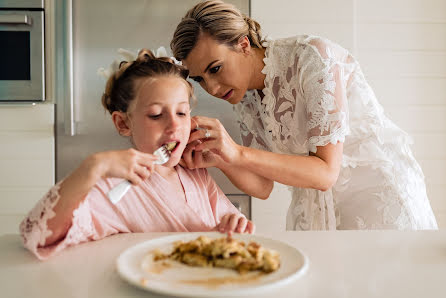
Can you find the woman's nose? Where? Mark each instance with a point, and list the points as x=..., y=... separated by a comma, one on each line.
x=212, y=87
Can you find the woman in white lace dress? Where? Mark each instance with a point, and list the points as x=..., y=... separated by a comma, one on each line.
x=308, y=119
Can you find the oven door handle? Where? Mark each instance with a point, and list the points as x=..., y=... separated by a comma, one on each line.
x=15, y=19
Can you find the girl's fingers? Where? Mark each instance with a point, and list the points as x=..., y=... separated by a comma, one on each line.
x=146, y=159
x=134, y=179
x=242, y=224
x=233, y=221
x=229, y=234
x=146, y=169
x=250, y=227
x=143, y=172
x=223, y=223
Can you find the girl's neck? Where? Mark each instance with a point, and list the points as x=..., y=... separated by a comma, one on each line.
x=167, y=173
x=171, y=175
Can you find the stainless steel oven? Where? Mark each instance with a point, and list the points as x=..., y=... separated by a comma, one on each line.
x=22, y=73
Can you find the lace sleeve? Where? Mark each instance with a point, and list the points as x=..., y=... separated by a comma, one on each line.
x=249, y=139
x=34, y=229
x=324, y=89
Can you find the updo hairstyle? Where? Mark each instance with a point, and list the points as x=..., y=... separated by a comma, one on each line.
x=223, y=21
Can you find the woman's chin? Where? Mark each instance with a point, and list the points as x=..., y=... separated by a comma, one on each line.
x=235, y=98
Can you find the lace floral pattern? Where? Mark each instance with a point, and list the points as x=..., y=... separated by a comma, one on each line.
x=316, y=94
x=34, y=229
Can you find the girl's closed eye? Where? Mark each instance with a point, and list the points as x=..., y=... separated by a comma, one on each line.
x=183, y=112
x=154, y=116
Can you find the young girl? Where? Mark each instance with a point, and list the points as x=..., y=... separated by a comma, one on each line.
x=308, y=119
x=149, y=102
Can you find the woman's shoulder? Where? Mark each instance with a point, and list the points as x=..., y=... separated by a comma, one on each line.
x=307, y=43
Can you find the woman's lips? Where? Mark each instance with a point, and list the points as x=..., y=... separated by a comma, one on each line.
x=228, y=95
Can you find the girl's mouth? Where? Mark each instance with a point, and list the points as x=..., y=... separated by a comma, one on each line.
x=228, y=95
x=171, y=146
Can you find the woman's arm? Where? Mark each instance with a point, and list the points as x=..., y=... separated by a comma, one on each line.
x=318, y=171
x=253, y=170
x=247, y=181
x=129, y=164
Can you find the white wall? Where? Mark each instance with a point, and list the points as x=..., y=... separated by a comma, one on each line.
x=26, y=160
x=401, y=46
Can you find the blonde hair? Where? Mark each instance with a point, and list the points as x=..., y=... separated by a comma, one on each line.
x=120, y=87
x=223, y=21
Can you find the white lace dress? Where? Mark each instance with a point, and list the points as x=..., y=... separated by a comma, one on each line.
x=315, y=93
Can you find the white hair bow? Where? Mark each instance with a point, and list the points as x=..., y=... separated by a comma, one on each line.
x=130, y=56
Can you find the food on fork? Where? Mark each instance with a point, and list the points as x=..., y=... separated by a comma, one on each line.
x=223, y=252
x=171, y=145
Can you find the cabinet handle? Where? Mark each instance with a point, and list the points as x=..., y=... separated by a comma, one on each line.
x=15, y=19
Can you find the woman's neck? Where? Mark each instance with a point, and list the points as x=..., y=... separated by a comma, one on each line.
x=257, y=77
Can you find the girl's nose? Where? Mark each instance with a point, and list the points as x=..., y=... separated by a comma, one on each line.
x=173, y=123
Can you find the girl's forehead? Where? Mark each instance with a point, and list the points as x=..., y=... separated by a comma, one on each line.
x=163, y=90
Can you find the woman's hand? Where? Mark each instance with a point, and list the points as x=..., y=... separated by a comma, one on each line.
x=129, y=164
x=235, y=223
x=194, y=159
x=212, y=136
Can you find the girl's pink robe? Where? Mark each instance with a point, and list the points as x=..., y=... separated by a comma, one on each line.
x=152, y=206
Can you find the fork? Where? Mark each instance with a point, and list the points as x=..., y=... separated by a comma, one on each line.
x=117, y=192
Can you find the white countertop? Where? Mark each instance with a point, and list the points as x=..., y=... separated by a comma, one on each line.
x=342, y=264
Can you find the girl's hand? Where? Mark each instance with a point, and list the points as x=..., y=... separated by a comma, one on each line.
x=213, y=137
x=235, y=223
x=129, y=164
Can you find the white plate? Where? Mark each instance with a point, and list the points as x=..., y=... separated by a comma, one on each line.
x=135, y=265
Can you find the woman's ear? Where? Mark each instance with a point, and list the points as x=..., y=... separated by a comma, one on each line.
x=122, y=123
x=244, y=45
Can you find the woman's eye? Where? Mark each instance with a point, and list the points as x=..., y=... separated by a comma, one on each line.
x=214, y=69
x=154, y=116
x=197, y=79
